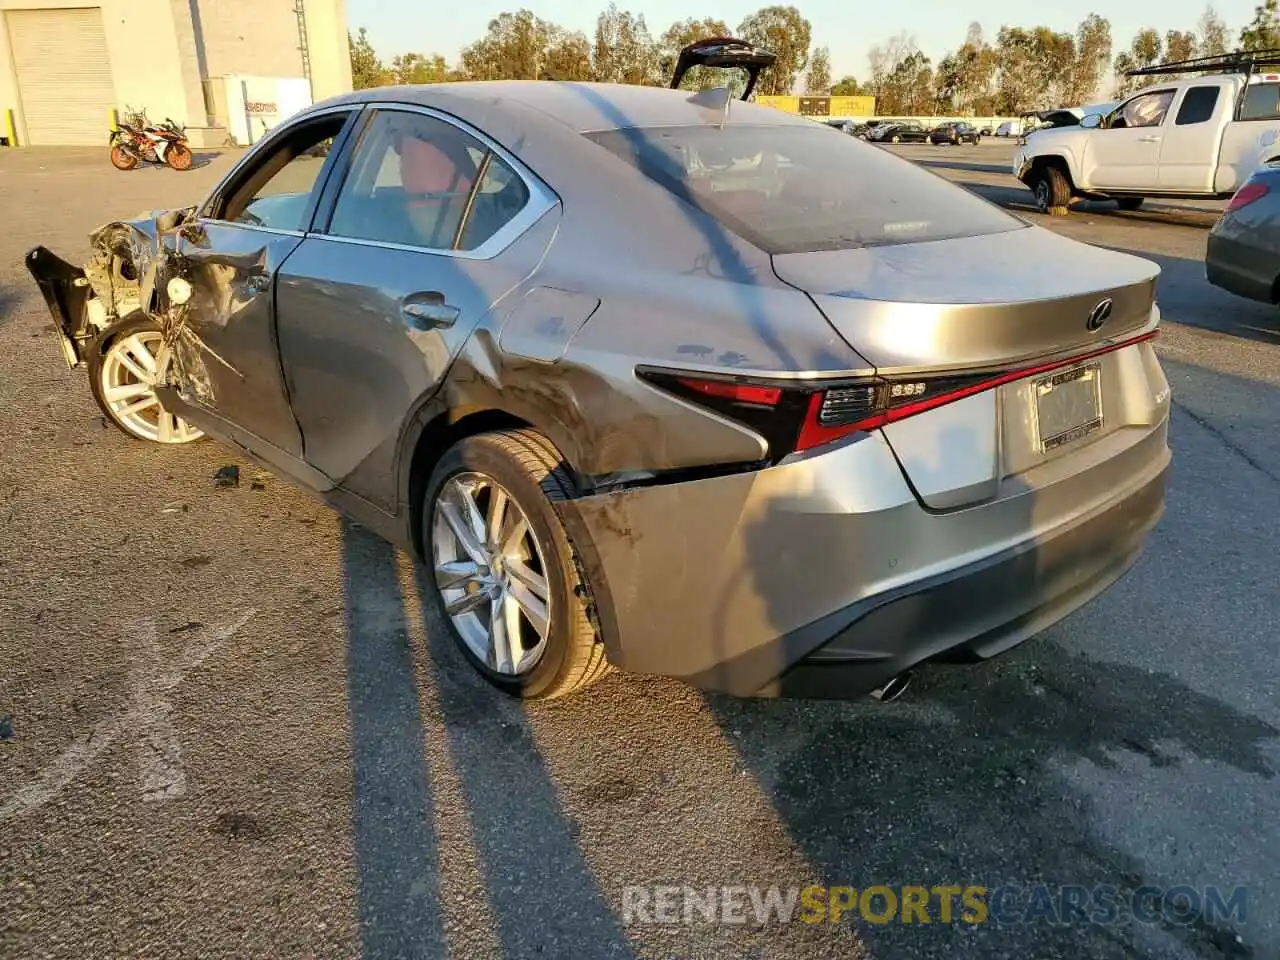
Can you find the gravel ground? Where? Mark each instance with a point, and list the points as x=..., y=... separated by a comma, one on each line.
x=229, y=729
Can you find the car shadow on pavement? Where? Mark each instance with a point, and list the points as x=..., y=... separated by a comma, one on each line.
x=1017, y=198
x=970, y=779
x=537, y=885
x=963, y=165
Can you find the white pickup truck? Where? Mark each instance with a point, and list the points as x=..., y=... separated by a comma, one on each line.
x=1185, y=138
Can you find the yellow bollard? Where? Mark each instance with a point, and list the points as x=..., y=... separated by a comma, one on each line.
x=9, y=129
x=113, y=119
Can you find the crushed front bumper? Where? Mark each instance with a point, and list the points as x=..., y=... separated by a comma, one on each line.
x=825, y=576
x=66, y=292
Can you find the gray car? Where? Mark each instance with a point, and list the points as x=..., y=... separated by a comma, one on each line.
x=671, y=383
x=1243, y=252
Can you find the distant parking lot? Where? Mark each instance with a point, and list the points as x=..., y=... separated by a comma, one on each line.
x=229, y=727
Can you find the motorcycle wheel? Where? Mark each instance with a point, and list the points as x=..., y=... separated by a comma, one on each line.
x=122, y=159
x=178, y=156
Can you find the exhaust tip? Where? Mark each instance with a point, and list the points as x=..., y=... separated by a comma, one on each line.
x=893, y=689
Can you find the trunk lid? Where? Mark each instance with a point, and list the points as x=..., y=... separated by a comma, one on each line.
x=975, y=301
x=1003, y=300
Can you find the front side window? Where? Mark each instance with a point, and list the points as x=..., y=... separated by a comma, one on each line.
x=420, y=181
x=1147, y=110
x=1261, y=102
x=277, y=192
x=793, y=189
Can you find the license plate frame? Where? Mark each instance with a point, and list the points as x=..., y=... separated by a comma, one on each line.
x=1068, y=406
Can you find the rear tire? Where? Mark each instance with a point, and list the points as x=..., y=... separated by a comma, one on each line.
x=895, y=139
x=1130, y=203
x=523, y=467
x=122, y=159
x=1052, y=191
x=178, y=156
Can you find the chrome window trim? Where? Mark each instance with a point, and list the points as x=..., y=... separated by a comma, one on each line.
x=542, y=199
x=263, y=146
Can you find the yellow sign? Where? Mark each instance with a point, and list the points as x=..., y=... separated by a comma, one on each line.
x=822, y=106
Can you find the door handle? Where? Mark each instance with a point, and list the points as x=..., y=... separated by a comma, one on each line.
x=428, y=311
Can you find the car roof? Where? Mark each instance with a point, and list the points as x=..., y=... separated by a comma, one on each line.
x=582, y=107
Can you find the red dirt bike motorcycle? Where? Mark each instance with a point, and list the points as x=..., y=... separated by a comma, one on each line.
x=138, y=142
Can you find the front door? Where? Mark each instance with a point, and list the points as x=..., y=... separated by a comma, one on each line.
x=430, y=228
x=226, y=361
x=1125, y=154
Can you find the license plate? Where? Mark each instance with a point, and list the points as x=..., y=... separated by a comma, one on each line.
x=1068, y=405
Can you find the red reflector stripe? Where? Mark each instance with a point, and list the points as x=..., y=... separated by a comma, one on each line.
x=740, y=392
x=813, y=433
x=1247, y=194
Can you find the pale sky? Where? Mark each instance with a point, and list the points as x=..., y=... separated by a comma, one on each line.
x=445, y=27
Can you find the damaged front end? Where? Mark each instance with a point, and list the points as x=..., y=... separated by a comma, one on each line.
x=126, y=273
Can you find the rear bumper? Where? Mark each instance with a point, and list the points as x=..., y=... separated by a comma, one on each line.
x=1240, y=268
x=824, y=576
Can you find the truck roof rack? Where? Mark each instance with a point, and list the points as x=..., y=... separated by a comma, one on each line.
x=1241, y=61
x=724, y=52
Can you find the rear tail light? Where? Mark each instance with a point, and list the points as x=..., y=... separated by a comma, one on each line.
x=1247, y=194
x=794, y=416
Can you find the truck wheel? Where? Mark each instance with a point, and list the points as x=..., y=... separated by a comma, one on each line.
x=1052, y=191
x=1130, y=203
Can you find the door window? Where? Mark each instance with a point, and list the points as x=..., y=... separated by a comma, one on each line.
x=277, y=192
x=422, y=182
x=1147, y=110
x=1197, y=106
x=1261, y=102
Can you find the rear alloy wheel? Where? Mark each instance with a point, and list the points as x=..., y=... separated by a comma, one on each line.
x=506, y=579
x=1052, y=191
x=895, y=139
x=122, y=159
x=123, y=378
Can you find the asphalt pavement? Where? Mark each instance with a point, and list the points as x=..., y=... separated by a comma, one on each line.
x=229, y=727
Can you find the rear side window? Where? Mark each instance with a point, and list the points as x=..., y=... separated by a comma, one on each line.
x=1261, y=102
x=793, y=189
x=1197, y=105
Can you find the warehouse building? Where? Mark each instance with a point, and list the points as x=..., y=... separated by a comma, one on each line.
x=226, y=69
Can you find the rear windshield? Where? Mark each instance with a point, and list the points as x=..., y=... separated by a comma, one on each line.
x=796, y=189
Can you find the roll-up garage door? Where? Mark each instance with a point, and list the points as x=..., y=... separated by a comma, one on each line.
x=64, y=74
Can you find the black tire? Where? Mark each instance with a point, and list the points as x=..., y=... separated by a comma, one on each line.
x=178, y=157
x=1051, y=189
x=525, y=464
x=1130, y=203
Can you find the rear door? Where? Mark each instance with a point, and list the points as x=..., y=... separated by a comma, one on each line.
x=1125, y=155
x=226, y=359
x=1189, y=149
x=422, y=230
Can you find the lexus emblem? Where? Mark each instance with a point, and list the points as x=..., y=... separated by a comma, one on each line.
x=1099, y=315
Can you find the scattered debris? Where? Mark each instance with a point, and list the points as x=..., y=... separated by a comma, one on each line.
x=228, y=476
x=257, y=485
x=236, y=825
x=6, y=727
x=193, y=563
x=187, y=627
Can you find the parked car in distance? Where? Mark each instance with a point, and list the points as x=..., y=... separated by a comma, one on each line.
x=1010, y=128
x=907, y=131
x=985, y=131
x=1243, y=254
x=954, y=133
x=664, y=382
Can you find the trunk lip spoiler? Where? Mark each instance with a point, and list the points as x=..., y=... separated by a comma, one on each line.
x=65, y=289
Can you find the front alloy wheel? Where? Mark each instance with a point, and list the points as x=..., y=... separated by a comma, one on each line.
x=491, y=574
x=125, y=376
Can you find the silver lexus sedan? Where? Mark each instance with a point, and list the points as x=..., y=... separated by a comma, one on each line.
x=656, y=381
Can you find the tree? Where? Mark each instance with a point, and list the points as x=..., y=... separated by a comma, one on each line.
x=1093, y=54
x=847, y=87
x=818, y=79
x=684, y=32
x=366, y=69
x=884, y=59
x=1144, y=51
x=786, y=34
x=1180, y=45
x=416, y=68
x=1036, y=67
x=567, y=56
x=1264, y=32
x=624, y=52
x=519, y=46
x=1213, y=34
